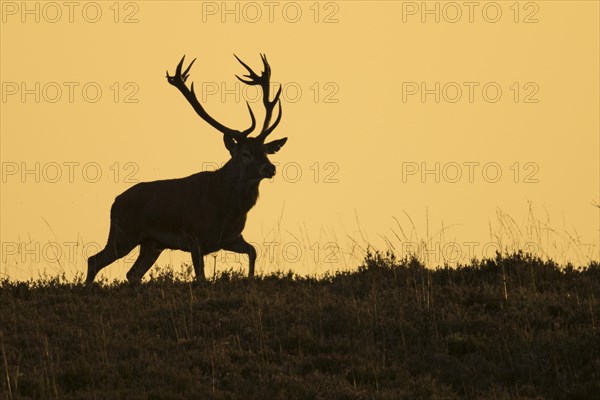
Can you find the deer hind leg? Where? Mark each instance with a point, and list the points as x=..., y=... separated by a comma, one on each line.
x=149, y=253
x=117, y=246
x=241, y=246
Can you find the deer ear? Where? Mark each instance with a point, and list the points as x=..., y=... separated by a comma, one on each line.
x=230, y=144
x=274, y=146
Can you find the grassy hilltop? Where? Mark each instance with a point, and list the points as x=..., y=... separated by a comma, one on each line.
x=512, y=327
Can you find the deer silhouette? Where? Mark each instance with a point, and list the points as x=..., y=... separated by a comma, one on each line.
x=201, y=213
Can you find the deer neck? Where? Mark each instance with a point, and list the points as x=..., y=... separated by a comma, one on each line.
x=242, y=190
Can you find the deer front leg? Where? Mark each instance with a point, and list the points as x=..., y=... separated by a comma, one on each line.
x=241, y=246
x=198, y=261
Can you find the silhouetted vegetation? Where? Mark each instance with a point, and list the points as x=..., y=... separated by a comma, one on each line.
x=511, y=327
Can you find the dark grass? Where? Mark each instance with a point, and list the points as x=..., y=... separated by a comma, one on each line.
x=513, y=327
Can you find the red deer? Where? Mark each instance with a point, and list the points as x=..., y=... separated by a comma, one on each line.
x=201, y=213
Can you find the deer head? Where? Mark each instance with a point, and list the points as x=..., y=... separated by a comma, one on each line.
x=249, y=154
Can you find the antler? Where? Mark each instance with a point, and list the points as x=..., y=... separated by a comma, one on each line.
x=264, y=81
x=178, y=80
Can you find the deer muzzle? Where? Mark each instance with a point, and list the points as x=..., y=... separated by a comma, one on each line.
x=267, y=171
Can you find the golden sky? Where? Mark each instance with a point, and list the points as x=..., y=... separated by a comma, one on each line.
x=463, y=126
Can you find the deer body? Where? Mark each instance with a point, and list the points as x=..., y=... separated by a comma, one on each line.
x=201, y=213
x=206, y=206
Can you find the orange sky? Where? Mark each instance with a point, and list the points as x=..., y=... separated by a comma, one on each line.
x=400, y=128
